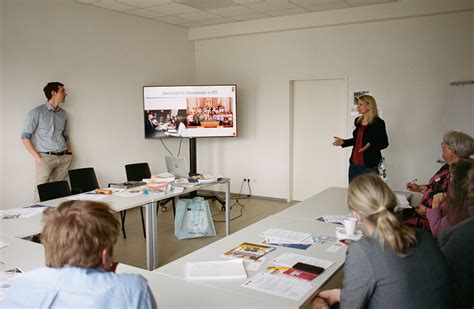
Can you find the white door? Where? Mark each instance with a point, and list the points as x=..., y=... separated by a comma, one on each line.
x=319, y=112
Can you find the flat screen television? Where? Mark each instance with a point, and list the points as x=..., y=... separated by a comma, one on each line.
x=190, y=111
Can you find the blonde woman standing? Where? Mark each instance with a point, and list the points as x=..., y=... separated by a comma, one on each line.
x=368, y=138
x=394, y=266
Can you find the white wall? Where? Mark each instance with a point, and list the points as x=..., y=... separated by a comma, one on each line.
x=407, y=63
x=2, y=112
x=103, y=58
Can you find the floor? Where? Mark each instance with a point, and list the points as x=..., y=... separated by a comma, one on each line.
x=132, y=250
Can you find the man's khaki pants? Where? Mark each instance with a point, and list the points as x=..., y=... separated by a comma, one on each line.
x=52, y=168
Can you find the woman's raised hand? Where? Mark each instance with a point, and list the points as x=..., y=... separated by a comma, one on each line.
x=338, y=141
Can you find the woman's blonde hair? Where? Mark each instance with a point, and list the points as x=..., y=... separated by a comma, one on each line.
x=77, y=232
x=373, y=200
x=373, y=111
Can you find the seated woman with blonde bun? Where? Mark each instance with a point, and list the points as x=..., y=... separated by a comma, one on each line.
x=395, y=266
x=78, y=239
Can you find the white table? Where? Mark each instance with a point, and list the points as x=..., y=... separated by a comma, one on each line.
x=30, y=226
x=332, y=201
x=168, y=292
x=214, y=251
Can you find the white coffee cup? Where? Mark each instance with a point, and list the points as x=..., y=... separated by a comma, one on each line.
x=350, y=224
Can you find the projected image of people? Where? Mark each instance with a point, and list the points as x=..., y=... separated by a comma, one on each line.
x=209, y=112
x=163, y=123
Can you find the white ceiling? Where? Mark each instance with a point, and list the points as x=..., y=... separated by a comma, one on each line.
x=198, y=13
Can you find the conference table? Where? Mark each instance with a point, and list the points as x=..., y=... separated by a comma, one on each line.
x=172, y=289
x=168, y=292
x=25, y=227
x=332, y=201
x=299, y=218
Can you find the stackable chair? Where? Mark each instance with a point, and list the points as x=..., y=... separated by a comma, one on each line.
x=51, y=190
x=136, y=172
x=83, y=180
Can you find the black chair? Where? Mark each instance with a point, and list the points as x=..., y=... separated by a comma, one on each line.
x=83, y=180
x=51, y=190
x=136, y=172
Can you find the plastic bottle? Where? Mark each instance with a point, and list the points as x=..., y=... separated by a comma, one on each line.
x=383, y=169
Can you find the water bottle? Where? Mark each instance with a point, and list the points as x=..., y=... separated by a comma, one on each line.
x=383, y=169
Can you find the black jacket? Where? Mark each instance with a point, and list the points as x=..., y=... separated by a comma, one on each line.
x=376, y=135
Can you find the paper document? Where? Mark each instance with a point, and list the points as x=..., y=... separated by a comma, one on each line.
x=17, y=213
x=336, y=219
x=289, y=259
x=130, y=192
x=89, y=196
x=232, y=269
x=279, y=285
x=288, y=237
x=402, y=201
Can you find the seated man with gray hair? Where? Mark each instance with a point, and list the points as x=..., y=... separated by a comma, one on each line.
x=78, y=238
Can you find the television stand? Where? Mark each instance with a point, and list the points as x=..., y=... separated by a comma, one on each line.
x=193, y=168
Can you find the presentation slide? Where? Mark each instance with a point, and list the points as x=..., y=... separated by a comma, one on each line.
x=190, y=111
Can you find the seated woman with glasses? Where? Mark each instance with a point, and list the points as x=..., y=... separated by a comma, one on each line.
x=78, y=239
x=455, y=146
x=395, y=266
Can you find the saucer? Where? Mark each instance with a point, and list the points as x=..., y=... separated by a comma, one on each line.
x=341, y=234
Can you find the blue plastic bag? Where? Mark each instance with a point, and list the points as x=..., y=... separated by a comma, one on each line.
x=193, y=219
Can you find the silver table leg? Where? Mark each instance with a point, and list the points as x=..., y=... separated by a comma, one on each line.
x=227, y=208
x=151, y=236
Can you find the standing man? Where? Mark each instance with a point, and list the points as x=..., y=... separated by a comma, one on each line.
x=51, y=148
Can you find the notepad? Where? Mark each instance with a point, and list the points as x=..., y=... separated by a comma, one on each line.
x=233, y=269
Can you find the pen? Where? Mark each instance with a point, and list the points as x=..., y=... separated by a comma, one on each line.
x=413, y=180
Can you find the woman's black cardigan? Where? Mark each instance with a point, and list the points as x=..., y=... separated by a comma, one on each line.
x=376, y=135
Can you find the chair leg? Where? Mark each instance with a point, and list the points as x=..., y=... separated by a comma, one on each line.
x=143, y=222
x=123, y=213
x=174, y=208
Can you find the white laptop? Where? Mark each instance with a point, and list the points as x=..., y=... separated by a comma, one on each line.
x=177, y=166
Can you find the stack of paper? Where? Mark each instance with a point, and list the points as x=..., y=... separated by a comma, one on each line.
x=249, y=251
x=163, y=177
x=285, y=238
x=335, y=219
x=88, y=196
x=279, y=285
x=25, y=212
x=232, y=269
x=402, y=201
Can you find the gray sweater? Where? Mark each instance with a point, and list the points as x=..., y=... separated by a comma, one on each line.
x=457, y=245
x=378, y=278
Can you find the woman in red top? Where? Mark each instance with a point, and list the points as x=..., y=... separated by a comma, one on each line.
x=369, y=137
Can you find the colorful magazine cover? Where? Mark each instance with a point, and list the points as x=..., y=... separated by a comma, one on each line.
x=249, y=251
